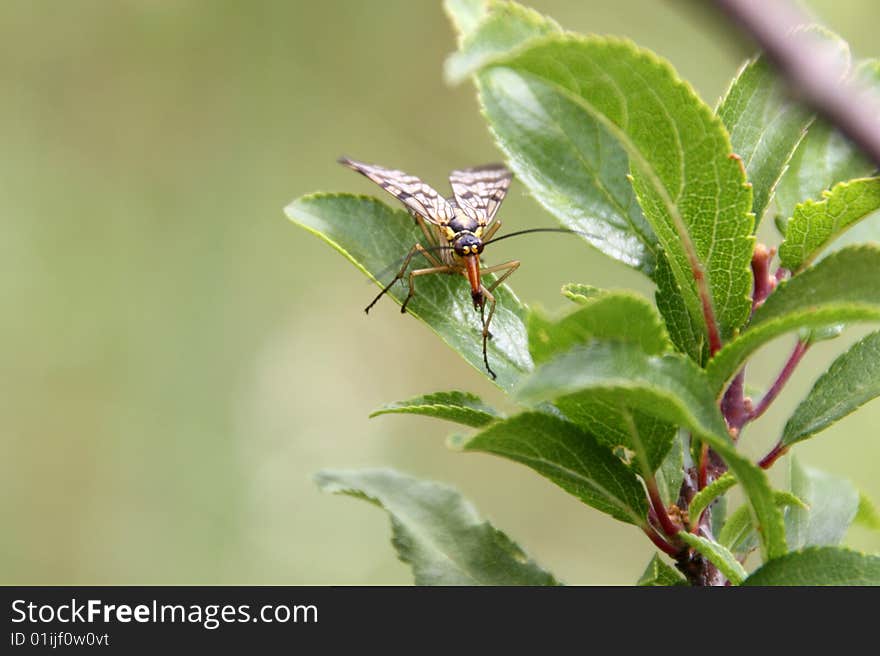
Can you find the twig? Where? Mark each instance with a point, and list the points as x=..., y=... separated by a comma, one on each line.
x=735, y=407
x=813, y=71
x=775, y=453
x=799, y=350
x=669, y=527
x=660, y=543
x=703, y=471
x=660, y=513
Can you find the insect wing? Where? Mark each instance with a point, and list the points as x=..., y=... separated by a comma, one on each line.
x=410, y=190
x=479, y=191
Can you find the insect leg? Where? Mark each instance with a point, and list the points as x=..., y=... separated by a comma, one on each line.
x=490, y=299
x=430, y=235
x=507, y=267
x=443, y=268
x=418, y=248
x=432, y=259
x=491, y=231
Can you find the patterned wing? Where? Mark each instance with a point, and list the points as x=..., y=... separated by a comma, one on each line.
x=479, y=191
x=412, y=192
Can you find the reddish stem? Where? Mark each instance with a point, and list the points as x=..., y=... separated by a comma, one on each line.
x=703, y=472
x=669, y=527
x=775, y=453
x=734, y=407
x=764, y=281
x=708, y=311
x=660, y=543
x=799, y=350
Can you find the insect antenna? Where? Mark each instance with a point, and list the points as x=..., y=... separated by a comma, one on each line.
x=533, y=230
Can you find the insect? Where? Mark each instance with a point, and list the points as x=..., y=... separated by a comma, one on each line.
x=460, y=227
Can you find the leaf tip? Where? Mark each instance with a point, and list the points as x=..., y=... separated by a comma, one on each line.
x=326, y=480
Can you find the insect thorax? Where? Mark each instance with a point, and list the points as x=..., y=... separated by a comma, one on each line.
x=462, y=231
x=461, y=222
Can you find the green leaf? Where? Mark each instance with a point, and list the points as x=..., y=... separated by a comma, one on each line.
x=725, y=561
x=543, y=103
x=686, y=333
x=848, y=275
x=570, y=457
x=437, y=531
x=738, y=533
x=670, y=474
x=719, y=515
x=865, y=231
x=786, y=499
x=580, y=293
x=372, y=236
x=611, y=316
x=620, y=316
x=816, y=223
x=824, y=158
x=852, y=380
x=867, y=515
x=658, y=573
x=460, y=407
x=572, y=165
x=841, y=288
x=640, y=438
x=825, y=333
x=506, y=27
x=832, y=503
x=465, y=15
x=765, y=127
x=819, y=566
x=618, y=424
x=708, y=494
x=670, y=388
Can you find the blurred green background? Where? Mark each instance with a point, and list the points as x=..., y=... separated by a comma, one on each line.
x=178, y=359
